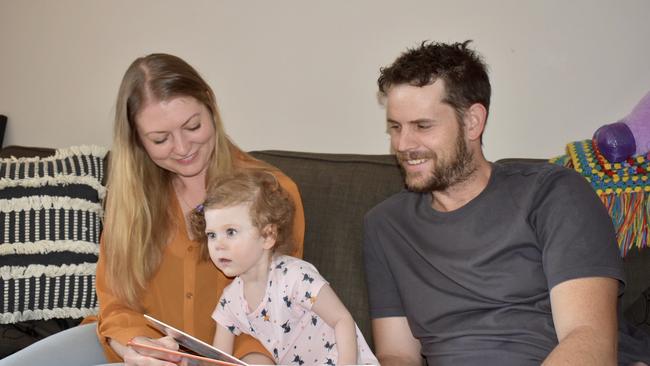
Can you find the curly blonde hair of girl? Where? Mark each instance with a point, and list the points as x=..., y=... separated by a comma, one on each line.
x=269, y=203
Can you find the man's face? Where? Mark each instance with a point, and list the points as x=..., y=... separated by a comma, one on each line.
x=427, y=137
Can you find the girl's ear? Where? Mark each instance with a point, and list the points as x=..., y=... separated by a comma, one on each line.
x=270, y=235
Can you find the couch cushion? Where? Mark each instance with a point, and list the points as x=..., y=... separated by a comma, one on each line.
x=337, y=190
x=50, y=222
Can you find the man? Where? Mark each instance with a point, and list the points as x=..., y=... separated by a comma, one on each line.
x=480, y=263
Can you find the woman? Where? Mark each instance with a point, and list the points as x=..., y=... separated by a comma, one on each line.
x=169, y=143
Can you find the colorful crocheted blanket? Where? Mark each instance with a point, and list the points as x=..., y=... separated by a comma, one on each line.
x=623, y=187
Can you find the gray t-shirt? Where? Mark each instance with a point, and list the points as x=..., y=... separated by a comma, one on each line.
x=474, y=283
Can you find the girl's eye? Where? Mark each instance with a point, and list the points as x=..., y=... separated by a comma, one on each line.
x=195, y=127
x=160, y=141
x=211, y=235
x=231, y=232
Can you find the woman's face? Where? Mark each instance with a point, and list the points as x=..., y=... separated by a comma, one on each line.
x=178, y=134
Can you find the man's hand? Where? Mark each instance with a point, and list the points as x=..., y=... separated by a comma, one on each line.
x=394, y=342
x=584, y=314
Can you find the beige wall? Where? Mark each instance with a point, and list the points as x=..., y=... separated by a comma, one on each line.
x=300, y=75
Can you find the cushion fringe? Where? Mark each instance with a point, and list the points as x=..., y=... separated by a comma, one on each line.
x=58, y=179
x=46, y=314
x=49, y=202
x=48, y=246
x=37, y=270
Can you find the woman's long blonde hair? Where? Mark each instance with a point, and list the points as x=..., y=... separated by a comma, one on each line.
x=139, y=217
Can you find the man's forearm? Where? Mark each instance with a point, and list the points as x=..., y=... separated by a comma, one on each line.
x=583, y=346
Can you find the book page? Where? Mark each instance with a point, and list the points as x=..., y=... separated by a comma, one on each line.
x=192, y=343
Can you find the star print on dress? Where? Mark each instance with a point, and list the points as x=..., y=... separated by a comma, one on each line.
x=298, y=360
x=312, y=299
x=286, y=327
x=329, y=345
x=223, y=302
x=275, y=353
x=232, y=328
x=265, y=315
x=306, y=277
x=330, y=362
x=314, y=320
x=287, y=301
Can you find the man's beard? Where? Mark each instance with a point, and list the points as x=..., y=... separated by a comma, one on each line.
x=445, y=173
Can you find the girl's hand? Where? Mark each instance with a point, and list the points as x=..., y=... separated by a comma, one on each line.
x=145, y=357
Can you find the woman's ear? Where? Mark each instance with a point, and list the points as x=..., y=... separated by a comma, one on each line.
x=270, y=235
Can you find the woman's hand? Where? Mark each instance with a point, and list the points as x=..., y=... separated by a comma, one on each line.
x=146, y=357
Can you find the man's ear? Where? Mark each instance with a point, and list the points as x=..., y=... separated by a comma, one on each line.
x=270, y=235
x=474, y=119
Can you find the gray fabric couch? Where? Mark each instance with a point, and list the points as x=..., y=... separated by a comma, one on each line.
x=337, y=190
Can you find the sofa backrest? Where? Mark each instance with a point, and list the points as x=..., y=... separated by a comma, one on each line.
x=337, y=190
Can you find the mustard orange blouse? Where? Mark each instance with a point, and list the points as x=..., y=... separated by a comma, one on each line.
x=183, y=292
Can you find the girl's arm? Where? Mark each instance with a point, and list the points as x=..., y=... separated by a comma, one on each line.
x=223, y=339
x=334, y=313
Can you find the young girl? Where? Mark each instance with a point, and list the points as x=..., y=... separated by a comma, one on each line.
x=282, y=301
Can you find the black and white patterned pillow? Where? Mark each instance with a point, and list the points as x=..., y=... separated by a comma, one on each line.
x=50, y=223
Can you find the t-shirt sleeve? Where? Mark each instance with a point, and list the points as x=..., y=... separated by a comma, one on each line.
x=383, y=297
x=575, y=231
x=223, y=312
x=306, y=283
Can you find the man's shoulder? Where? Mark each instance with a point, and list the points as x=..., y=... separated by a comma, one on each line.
x=392, y=204
x=532, y=173
x=527, y=168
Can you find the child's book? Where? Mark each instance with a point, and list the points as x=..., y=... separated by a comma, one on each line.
x=193, y=351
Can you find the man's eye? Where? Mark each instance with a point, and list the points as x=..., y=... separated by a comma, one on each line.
x=231, y=232
x=211, y=235
x=424, y=126
x=392, y=127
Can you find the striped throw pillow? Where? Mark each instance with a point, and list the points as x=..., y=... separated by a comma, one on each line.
x=50, y=223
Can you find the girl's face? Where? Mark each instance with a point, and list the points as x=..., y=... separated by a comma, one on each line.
x=236, y=246
x=178, y=135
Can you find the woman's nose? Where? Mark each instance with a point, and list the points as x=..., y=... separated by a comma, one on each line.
x=181, y=145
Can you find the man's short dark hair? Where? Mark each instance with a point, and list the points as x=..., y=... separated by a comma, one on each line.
x=462, y=70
